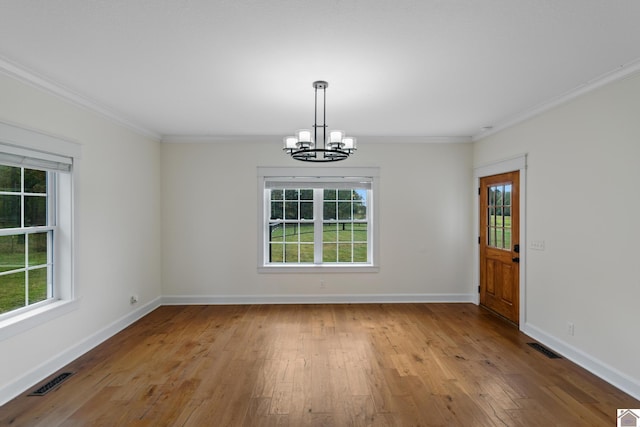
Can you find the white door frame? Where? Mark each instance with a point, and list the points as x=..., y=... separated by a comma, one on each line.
x=518, y=163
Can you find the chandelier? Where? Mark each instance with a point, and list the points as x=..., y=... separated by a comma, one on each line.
x=305, y=145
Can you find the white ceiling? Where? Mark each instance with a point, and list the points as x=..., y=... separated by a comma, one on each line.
x=436, y=68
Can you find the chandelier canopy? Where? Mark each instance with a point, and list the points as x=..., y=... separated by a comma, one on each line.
x=332, y=146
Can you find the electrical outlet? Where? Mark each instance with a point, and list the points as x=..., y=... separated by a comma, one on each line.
x=570, y=328
x=133, y=299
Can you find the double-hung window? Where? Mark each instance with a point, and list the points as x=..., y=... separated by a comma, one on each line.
x=318, y=218
x=35, y=225
x=27, y=226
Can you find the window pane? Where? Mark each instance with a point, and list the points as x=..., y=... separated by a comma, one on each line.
x=344, y=252
x=344, y=194
x=499, y=192
x=359, y=232
x=35, y=211
x=11, y=252
x=9, y=178
x=306, y=210
x=277, y=210
x=345, y=231
x=291, y=252
x=277, y=195
x=291, y=194
x=306, y=233
x=306, y=194
x=507, y=238
x=359, y=210
x=35, y=181
x=507, y=195
x=9, y=211
x=275, y=232
x=12, y=292
x=306, y=252
x=290, y=232
x=344, y=210
x=276, y=251
x=329, y=232
x=330, y=194
x=360, y=252
x=291, y=210
x=329, y=252
x=330, y=209
x=37, y=285
x=499, y=236
x=37, y=248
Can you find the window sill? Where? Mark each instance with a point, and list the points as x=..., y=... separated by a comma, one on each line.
x=38, y=316
x=365, y=268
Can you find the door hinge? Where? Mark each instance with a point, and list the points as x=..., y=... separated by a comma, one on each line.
x=478, y=191
x=478, y=289
x=478, y=239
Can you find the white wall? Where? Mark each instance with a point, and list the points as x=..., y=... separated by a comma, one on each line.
x=583, y=201
x=117, y=229
x=210, y=231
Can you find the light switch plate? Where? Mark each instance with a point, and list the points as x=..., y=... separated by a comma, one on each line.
x=537, y=245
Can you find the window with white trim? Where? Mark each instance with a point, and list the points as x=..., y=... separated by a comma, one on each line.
x=35, y=226
x=323, y=221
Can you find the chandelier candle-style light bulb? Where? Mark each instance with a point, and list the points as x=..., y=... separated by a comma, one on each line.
x=290, y=143
x=319, y=145
x=349, y=143
x=335, y=139
x=304, y=138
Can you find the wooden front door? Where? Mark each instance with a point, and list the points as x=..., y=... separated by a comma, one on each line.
x=500, y=244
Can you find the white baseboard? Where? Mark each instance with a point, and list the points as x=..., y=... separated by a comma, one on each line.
x=33, y=377
x=608, y=373
x=313, y=299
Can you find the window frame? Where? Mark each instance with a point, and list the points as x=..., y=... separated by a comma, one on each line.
x=320, y=176
x=29, y=149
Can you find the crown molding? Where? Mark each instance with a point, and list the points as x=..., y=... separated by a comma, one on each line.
x=31, y=78
x=622, y=72
x=210, y=139
x=367, y=139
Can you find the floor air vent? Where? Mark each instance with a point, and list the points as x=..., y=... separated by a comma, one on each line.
x=544, y=350
x=55, y=382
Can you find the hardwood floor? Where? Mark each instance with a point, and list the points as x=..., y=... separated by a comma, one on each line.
x=333, y=365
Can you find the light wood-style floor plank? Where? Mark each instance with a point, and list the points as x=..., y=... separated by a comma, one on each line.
x=321, y=365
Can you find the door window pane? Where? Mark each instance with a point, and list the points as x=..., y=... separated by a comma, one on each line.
x=499, y=216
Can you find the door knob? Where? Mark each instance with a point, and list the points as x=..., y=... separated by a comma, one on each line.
x=515, y=259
